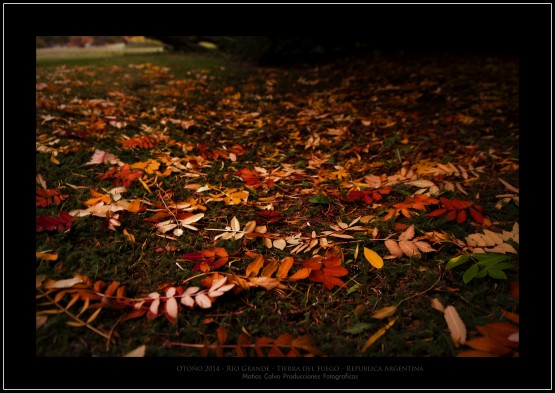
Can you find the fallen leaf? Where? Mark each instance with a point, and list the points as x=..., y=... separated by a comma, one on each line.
x=456, y=325
x=138, y=352
x=372, y=257
x=384, y=312
x=437, y=305
x=50, y=284
x=374, y=337
x=46, y=257
x=279, y=244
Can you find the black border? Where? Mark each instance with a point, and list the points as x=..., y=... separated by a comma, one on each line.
x=522, y=30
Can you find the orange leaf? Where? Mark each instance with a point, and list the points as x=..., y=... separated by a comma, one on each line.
x=313, y=263
x=476, y=354
x=284, y=268
x=46, y=257
x=134, y=206
x=301, y=274
x=254, y=266
x=260, y=343
x=270, y=269
x=222, y=335
x=511, y=316
x=275, y=352
x=488, y=344
x=284, y=339
x=111, y=288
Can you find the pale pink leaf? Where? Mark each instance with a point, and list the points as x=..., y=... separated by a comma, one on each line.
x=393, y=248
x=203, y=301
x=171, y=307
x=456, y=325
x=409, y=249
x=408, y=234
x=424, y=247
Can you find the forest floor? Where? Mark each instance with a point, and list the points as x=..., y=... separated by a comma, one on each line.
x=192, y=205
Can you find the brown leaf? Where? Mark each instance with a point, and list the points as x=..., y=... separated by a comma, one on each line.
x=384, y=312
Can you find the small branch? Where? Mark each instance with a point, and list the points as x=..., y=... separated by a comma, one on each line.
x=77, y=319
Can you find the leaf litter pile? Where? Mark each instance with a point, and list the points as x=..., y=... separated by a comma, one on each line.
x=366, y=207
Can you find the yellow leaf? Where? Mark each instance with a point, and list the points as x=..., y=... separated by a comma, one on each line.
x=374, y=337
x=94, y=315
x=372, y=257
x=76, y=324
x=47, y=257
x=54, y=160
x=384, y=312
x=129, y=236
x=456, y=325
x=145, y=186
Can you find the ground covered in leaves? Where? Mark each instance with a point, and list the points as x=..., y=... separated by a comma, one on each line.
x=196, y=206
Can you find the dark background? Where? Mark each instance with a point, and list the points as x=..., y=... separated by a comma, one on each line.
x=522, y=31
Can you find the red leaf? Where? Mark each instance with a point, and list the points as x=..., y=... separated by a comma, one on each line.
x=134, y=314
x=437, y=212
x=51, y=223
x=451, y=215
x=476, y=216
x=461, y=216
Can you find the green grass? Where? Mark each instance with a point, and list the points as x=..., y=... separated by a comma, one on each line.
x=199, y=87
